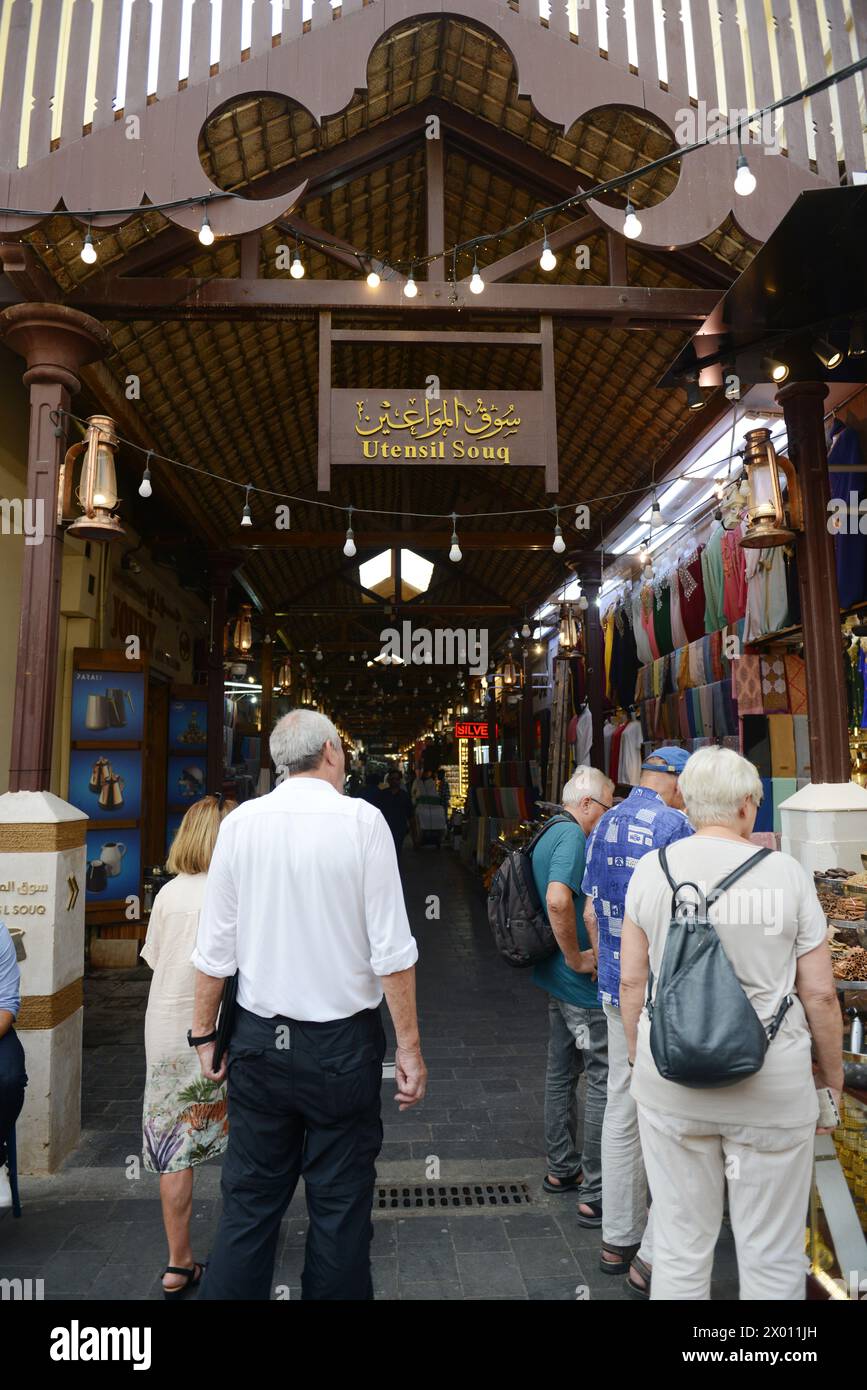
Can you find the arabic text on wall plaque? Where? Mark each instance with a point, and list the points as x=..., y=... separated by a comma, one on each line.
x=456, y=427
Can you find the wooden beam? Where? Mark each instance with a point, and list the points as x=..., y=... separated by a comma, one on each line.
x=549, y=406
x=435, y=205
x=617, y=274
x=453, y=336
x=189, y=297
x=323, y=476
x=527, y=256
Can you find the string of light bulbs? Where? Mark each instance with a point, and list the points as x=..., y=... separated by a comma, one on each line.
x=744, y=185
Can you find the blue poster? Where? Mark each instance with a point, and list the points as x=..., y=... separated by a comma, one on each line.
x=113, y=865
x=188, y=724
x=106, y=783
x=107, y=706
x=173, y=825
x=187, y=780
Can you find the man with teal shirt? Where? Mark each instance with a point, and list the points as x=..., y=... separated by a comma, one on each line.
x=578, y=1037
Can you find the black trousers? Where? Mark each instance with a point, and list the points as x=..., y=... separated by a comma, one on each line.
x=13, y=1079
x=304, y=1099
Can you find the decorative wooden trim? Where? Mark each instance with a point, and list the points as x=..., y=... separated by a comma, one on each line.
x=48, y=1010
x=36, y=839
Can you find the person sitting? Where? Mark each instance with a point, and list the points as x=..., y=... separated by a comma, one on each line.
x=185, y=1117
x=753, y=1139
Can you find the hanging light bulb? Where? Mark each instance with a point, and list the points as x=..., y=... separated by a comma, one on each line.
x=455, y=552
x=648, y=572
x=410, y=288
x=655, y=514
x=525, y=629
x=144, y=487
x=206, y=231
x=88, y=250
x=374, y=279
x=631, y=224
x=583, y=602
x=644, y=553
x=547, y=260
x=745, y=179
x=719, y=488
x=317, y=652
x=477, y=284
x=243, y=634
x=559, y=544
x=247, y=515
x=296, y=269
x=349, y=543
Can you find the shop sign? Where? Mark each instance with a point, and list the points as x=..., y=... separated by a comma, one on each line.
x=467, y=728
x=455, y=427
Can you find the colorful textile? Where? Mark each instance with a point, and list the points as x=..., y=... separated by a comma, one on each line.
x=712, y=573
x=767, y=598
x=781, y=729
x=757, y=742
x=695, y=704
x=802, y=745
x=696, y=663
x=796, y=680
x=775, y=698
x=734, y=575
x=642, y=642
x=648, y=605
x=683, y=717
x=765, y=816
x=690, y=580
x=672, y=713
x=783, y=788
x=714, y=649
x=662, y=619
x=608, y=632
x=748, y=684
x=705, y=695
x=681, y=660
x=678, y=631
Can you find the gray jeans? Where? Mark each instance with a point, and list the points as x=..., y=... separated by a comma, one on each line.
x=577, y=1042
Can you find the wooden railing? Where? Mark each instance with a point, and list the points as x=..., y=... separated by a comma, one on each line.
x=65, y=63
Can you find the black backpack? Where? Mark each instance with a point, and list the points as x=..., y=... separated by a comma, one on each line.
x=515, y=911
x=703, y=1029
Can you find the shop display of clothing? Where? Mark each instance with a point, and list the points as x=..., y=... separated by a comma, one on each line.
x=678, y=631
x=690, y=578
x=624, y=662
x=648, y=606
x=767, y=597
x=781, y=730
x=642, y=642
x=712, y=574
x=850, y=546
x=583, y=737
x=607, y=734
x=608, y=638
x=796, y=681
x=614, y=760
x=629, y=767
x=748, y=684
x=734, y=575
x=662, y=619
x=775, y=697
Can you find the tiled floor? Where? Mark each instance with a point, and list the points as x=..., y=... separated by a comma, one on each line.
x=94, y=1230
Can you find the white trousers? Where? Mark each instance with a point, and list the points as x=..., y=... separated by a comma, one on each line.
x=768, y=1173
x=625, y=1219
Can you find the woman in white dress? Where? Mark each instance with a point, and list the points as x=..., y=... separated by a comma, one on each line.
x=185, y=1119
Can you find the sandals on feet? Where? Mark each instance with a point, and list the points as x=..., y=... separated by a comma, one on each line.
x=565, y=1184
x=193, y=1279
x=625, y=1255
x=593, y=1217
x=634, y=1290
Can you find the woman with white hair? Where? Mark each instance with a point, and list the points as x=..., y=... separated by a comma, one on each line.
x=755, y=1136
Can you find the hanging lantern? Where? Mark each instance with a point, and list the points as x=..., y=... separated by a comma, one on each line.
x=97, y=486
x=284, y=677
x=569, y=628
x=510, y=672
x=243, y=634
x=767, y=522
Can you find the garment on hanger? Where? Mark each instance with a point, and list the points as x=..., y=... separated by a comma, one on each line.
x=642, y=642
x=648, y=605
x=629, y=767
x=662, y=618
x=607, y=734
x=734, y=575
x=678, y=631
x=608, y=633
x=793, y=588
x=712, y=573
x=850, y=546
x=614, y=761
x=690, y=578
x=767, y=600
x=583, y=737
x=697, y=675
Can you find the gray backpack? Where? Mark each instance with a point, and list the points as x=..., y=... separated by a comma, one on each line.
x=515, y=910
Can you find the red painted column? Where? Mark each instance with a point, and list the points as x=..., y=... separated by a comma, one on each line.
x=803, y=408
x=56, y=342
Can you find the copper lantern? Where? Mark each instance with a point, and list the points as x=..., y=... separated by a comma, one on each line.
x=97, y=485
x=767, y=523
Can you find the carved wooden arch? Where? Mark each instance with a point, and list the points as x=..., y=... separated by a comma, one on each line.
x=322, y=68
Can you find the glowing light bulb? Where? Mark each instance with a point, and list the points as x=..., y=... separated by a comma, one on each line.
x=88, y=251
x=547, y=260
x=144, y=487
x=455, y=553
x=206, y=231
x=374, y=279
x=349, y=544
x=631, y=224
x=296, y=269
x=745, y=179
x=477, y=284
x=559, y=544
x=410, y=289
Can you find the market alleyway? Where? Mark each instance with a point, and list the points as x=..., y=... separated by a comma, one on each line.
x=93, y=1231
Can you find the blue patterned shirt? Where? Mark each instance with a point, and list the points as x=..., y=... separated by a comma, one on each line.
x=10, y=975
x=624, y=835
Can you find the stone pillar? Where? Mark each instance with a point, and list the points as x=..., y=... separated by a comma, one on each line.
x=42, y=886
x=220, y=568
x=56, y=342
x=802, y=404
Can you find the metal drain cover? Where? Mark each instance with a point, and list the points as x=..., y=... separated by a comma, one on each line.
x=482, y=1194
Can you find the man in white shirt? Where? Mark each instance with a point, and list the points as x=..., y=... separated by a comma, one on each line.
x=304, y=900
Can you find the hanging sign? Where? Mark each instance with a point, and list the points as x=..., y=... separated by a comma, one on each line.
x=467, y=728
x=456, y=427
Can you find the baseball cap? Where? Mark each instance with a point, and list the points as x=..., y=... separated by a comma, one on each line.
x=674, y=760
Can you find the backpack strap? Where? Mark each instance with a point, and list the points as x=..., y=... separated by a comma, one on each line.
x=735, y=874
x=555, y=820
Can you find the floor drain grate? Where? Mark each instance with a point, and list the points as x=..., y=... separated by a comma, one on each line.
x=483, y=1194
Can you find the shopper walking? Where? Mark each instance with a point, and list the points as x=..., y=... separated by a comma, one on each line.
x=753, y=1139
x=578, y=1032
x=395, y=805
x=13, y=1077
x=645, y=821
x=184, y=1120
x=304, y=901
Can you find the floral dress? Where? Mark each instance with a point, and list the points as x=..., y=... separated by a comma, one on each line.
x=185, y=1118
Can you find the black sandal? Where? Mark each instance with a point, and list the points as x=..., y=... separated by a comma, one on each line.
x=625, y=1255
x=636, y=1290
x=192, y=1281
x=595, y=1219
x=565, y=1184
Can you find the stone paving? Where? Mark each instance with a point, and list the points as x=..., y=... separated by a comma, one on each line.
x=93, y=1232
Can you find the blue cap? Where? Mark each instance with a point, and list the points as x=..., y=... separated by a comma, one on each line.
x=675, y=760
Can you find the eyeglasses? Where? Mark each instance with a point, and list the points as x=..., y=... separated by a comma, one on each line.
x=606, y=805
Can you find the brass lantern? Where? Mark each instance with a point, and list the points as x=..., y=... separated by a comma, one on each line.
x=510, y=672
x=767, y=524
x=97, y=486
x=284, y=677
x=243, y=634
x=569, y=632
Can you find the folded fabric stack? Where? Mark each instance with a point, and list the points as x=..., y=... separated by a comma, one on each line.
x=706, y=711
x=507, y=803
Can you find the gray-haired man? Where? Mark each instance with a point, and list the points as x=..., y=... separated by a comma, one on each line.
x=304, y=901
x=578, y=1037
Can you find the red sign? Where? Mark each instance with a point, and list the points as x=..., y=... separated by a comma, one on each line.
x=466, y=728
